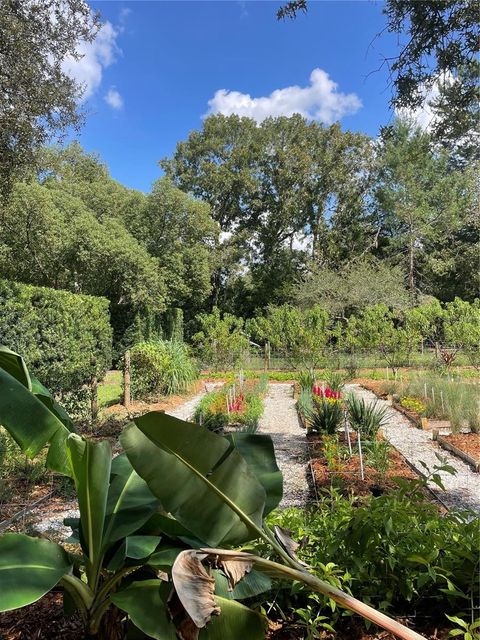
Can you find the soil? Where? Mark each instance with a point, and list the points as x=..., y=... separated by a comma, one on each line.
x=377, y=386
x=43, y=620
x=347, y=475
x=24, y=494
x=467, y=442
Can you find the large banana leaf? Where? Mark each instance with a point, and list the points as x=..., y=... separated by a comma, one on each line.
x=130, y=502
x=15, y=365
x=234, y=621
x=91, y=462
x=146, y=604
x=29, y=568
x=257, y=449
x=32, y=421
x=198, y=477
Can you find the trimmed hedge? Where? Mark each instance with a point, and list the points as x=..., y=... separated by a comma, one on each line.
x=65, y=338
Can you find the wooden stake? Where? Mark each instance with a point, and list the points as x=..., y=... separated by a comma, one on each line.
x=347, y=434
x=126, y=380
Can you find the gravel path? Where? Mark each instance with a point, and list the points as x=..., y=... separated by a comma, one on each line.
x=280, y=421
x=462, y=489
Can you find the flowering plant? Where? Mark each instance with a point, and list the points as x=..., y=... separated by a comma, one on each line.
x=325, y=392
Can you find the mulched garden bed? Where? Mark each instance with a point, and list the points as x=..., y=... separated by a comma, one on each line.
x=347, y=476
x=469, y=443
x=42, y=620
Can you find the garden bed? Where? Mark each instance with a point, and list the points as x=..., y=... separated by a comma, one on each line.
x=465, y=446
x=347, y=474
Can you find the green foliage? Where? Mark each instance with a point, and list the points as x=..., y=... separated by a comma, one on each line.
x=327, y=415
x=462, y=328
x=446, y=399
x=414, y=404
x=302, y=336
x=365, y=417
x=350, y=289
x=212, y=413
x=39, y=97
x=66, y=337
x=335, y=380
x=447, y=35
x=306, y=379
x=395, y=551
x=305, y=404
x=161, y=367
x=221, y=342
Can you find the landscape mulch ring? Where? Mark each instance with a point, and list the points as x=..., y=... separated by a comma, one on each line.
x=469, y=443
x=347, y=477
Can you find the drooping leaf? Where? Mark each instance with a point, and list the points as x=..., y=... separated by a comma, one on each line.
x=91, y=462
x=31, y=424
x=44, y=395
x=29, y=568
x=257, y=450
x=197, y=476
x=195, y=587
x=15, y=365
x=145, y=602
x=291, y=546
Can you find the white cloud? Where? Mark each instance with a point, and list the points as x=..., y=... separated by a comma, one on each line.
x=320, y=100
x=96, y=56
x=113, y=98
x=423, y=116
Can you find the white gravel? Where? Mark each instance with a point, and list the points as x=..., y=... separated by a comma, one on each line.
x=416, y=446
x=280, y=421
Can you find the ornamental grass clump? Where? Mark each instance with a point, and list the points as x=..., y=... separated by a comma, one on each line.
x=365, y=417
x=161, y=367
x=327, y=414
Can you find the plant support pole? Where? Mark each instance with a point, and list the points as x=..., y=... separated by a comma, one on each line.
x=362, y=475
x=347, y=434
x=126, y=380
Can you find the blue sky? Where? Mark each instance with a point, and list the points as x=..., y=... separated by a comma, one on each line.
x=156, y=65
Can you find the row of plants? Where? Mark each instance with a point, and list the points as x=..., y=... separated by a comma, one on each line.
x=441, y=398
x=307, y=337
x=164, y=528
x=238, y=404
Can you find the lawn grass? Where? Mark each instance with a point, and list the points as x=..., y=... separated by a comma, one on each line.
x=110, y=389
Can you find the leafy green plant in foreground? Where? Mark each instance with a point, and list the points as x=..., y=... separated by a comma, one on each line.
x=176, y=485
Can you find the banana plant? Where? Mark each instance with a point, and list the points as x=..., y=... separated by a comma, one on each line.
x=29, y=412
x=149, y=520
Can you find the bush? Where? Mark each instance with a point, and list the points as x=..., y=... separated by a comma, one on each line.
x=396, y=552
x=65, y=338
x=366, y=417
x=161, y=367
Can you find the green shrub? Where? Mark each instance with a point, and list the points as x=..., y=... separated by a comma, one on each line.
x=66, y=338
x=161, y=367
x=335, y=380
x=396, y=552
x=413, y=404
x=366, y=417
x=448, y=399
